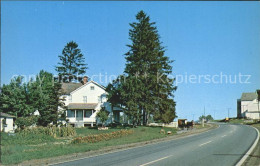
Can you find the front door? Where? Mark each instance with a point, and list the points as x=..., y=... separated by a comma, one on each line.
x=79, y=115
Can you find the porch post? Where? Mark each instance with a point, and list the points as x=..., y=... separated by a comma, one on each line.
x=92, y=120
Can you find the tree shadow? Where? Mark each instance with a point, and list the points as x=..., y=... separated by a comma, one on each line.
x=237, y=155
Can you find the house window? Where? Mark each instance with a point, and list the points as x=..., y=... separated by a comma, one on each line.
x=92, y=88
x=87, y=113
x=70, y=98
x=84, y=99
x=71, y=113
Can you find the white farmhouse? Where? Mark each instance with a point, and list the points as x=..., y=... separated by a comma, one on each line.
x=7, y=122
x=84, y=101
x=248, y=106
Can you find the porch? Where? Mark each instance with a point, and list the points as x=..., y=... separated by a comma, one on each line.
x=80, y=115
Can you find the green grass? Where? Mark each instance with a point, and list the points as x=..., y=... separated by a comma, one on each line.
x=16, y=149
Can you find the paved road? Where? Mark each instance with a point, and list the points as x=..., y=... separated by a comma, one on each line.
x=223, y=146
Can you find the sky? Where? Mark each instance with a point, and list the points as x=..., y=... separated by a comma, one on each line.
x=215, y=41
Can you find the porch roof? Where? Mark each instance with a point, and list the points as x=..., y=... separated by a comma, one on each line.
x=82, y=106
x=6, y=115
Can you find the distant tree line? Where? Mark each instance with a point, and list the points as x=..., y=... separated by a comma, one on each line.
x=206, y=118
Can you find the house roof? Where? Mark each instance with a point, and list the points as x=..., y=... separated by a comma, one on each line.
x=67, y=88
x=82, y=105
x=6, y=115
x=248, y=96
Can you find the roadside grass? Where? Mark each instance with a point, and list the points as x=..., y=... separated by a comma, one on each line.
x=254, y=157
x=16, y=149
x=199, y=126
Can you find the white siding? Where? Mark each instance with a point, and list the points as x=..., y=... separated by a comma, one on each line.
x=9, y=122
x=93, y=96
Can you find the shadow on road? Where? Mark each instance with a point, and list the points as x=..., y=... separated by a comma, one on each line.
x=236, y=155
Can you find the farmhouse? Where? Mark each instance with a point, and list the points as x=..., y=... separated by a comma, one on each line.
x=248, y=106
x=7, y=122
x=84, y=101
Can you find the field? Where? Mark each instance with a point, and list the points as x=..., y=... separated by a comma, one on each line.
x=17, y=148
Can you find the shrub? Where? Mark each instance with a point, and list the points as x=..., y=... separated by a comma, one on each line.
x=101, y=137
x=23, y=122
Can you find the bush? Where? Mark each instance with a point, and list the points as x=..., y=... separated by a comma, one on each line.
x=23, y=122
x=101, y=137
x=51, y=131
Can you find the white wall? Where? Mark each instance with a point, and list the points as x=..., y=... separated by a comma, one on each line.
x=93, y=96
x=248, y=107
x=9, y=122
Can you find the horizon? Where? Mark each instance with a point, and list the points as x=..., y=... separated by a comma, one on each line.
x=208, y=42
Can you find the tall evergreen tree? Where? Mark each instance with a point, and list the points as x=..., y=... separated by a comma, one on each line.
x=146, y=61
x=72, y=63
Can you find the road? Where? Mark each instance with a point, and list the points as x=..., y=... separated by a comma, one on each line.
x=223, y=146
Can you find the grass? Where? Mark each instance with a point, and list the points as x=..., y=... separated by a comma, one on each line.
x=16, y=149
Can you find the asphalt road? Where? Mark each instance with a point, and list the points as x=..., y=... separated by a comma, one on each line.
x=223, y=146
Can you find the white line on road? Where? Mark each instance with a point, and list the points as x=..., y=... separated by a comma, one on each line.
x=156, y=160
x=205, y=143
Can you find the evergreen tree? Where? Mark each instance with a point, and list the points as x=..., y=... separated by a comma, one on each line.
x=72, y=63
x=146, y=62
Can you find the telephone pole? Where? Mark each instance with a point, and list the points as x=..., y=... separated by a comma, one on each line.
x=228, y=112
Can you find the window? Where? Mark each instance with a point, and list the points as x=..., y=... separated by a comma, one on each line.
x=84, y=99
x=87, y=113
x=92, y=88
x=71, y=113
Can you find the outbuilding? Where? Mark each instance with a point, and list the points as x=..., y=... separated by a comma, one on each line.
x=7, y=122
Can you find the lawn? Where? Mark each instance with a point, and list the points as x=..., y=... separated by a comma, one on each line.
x=17, y=148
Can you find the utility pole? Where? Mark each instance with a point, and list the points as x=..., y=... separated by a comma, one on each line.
x=203, y=118
x=193, y=117
x=228, y=112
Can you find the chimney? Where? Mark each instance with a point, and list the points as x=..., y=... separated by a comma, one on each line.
x=85, y=79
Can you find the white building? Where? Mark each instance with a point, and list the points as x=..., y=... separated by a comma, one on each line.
x=7, y=122
x=248, y=106
x=84, y=101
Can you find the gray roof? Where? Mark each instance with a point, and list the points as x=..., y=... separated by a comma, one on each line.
x=248, y=96
x=69, y=87
x=6, y=115
x=82, y=105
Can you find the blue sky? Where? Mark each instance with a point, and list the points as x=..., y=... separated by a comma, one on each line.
x=204, y=38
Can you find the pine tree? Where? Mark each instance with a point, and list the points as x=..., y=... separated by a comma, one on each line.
x=146, y=61
x=72, y=63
